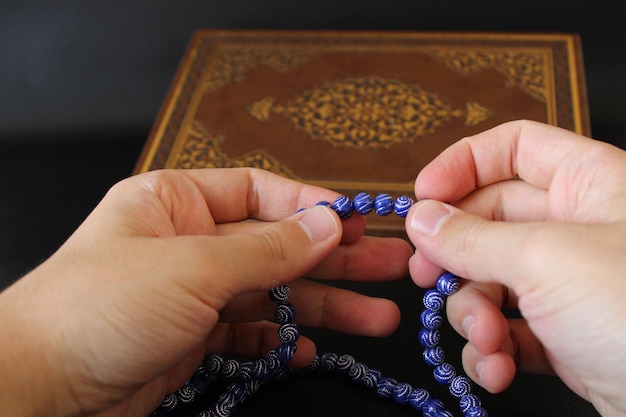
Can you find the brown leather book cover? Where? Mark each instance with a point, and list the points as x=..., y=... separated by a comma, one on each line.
x=358, y=111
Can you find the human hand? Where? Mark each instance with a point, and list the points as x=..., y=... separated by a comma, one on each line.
x=172, y=265
x=536, y=221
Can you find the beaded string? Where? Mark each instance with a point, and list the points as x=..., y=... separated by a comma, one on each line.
x=244, y=378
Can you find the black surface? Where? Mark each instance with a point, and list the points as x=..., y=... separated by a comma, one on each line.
x=80, y=86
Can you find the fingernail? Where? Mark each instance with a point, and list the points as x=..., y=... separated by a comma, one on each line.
x=468, y=323
x=428, y=216
x=479, y=369
x=319, y=223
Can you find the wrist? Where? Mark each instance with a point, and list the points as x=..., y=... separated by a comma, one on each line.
x=31, y=381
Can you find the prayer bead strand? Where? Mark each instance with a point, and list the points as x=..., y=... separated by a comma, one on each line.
x=245, y=378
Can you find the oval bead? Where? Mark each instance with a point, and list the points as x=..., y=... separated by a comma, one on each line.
x=363, y=203
x=344, y=363
x=213, y=363
x=429, y=337
x=286, y=352
x=433, y=356
x=357, y=372
x=170, y=402
x=401, y=392
x=383, y=204
x=431, y=319
x=288, y=333
x=272, y=359
x=186, y=394
x=448, y=283
x=434, y=300
x=280, y=294
x=201, y=381
x=418, y=397
x=284, y=313
x=371, y=378
x=444, y=373
x=343, y=207
x=230, y=368
x=460, y=386
x=468, y=401
x=402, y=205
x=386, y=386
x=328, y=361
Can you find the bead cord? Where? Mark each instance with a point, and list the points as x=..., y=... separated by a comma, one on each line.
x=244, y=378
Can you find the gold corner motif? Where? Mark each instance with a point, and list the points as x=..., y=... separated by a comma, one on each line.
x=367, y=112
x=524, y=69
x=203, y=150
x=233, y=63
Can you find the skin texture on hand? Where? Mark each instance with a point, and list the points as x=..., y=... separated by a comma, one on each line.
x=535, y=219
x=171, y=265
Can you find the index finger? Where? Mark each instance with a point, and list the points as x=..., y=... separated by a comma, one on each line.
x=530, y=150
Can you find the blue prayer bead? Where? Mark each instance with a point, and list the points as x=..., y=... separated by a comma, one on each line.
x=201, y=381
x=213, y=363
x=402, y=205
x=401, y=392
x=433, y=356
x=371, y=378
x=468, y=401
x=434, y=300
x=418, y=397
x=460, y=386
x=431, y=319
x=386, y=386
x=246, y=371
x=186, y=394
x=170, y=402
x=230, y=369
x=343, y=207
x=383, y=204
x=357, y=372
x=288, y=333
x=444, y=373
x=429, y=337
x=286, y=352
x=328, y=361
x=363, y=203
x=284, y=313
x=448, y=283
x=272, y=359
x=344, y=363
x=280, y=294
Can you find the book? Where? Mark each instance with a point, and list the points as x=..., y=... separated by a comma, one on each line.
x=357, y=110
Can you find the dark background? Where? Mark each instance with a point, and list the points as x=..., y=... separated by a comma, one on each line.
x=81, y=84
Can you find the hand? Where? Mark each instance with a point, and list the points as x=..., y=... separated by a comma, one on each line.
x=171, y=265
x=536, y=221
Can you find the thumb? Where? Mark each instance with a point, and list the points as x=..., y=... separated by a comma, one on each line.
x=274, y=255
x=466, y=245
